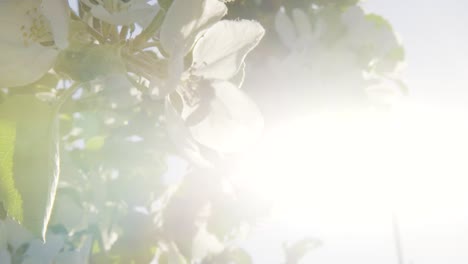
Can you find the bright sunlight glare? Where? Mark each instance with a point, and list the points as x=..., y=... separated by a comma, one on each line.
x=360, y=163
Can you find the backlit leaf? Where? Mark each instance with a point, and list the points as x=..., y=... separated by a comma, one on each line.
x=34, y=165
x=10, y=198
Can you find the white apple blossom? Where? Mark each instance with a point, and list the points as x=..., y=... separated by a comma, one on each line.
x=296, y=33
x=33, y=33
x=185, y=21
x=215, y=112
x=322, y=69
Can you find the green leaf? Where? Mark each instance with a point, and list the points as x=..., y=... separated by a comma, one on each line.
x=29, y=128
x=95, y=143
x=379, y=21
x=165, y=4
x=10, y=199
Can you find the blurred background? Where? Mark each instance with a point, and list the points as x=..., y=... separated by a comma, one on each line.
x=433, y=222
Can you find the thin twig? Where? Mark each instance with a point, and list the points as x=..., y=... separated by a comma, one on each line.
x=90, y=30
x=397, y=237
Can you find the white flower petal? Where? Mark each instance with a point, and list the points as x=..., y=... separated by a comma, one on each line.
x=175, y=71
x=303, y=25
x=185, y=20
x=137, y=13
x=233, y=122
x=58, y=13
x=238, y=79
x=220, y=53
x=180, y=136
x=285, y=28
x=23, y=59
x=29, y=66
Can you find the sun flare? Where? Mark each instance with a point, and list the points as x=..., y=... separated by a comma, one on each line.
x=362, y=163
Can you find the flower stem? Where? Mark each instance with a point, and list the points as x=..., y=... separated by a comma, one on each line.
x=66, y=95
x=90, y=30
x=150, y=31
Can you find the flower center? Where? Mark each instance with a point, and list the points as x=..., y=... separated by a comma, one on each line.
x=37, y=29
x=196, y=92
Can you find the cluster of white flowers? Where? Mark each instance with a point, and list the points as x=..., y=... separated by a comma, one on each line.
x=338, y=67
x=216, y=113
x=203, y=102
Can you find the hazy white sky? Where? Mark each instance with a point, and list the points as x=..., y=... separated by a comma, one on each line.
x=435, y=36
